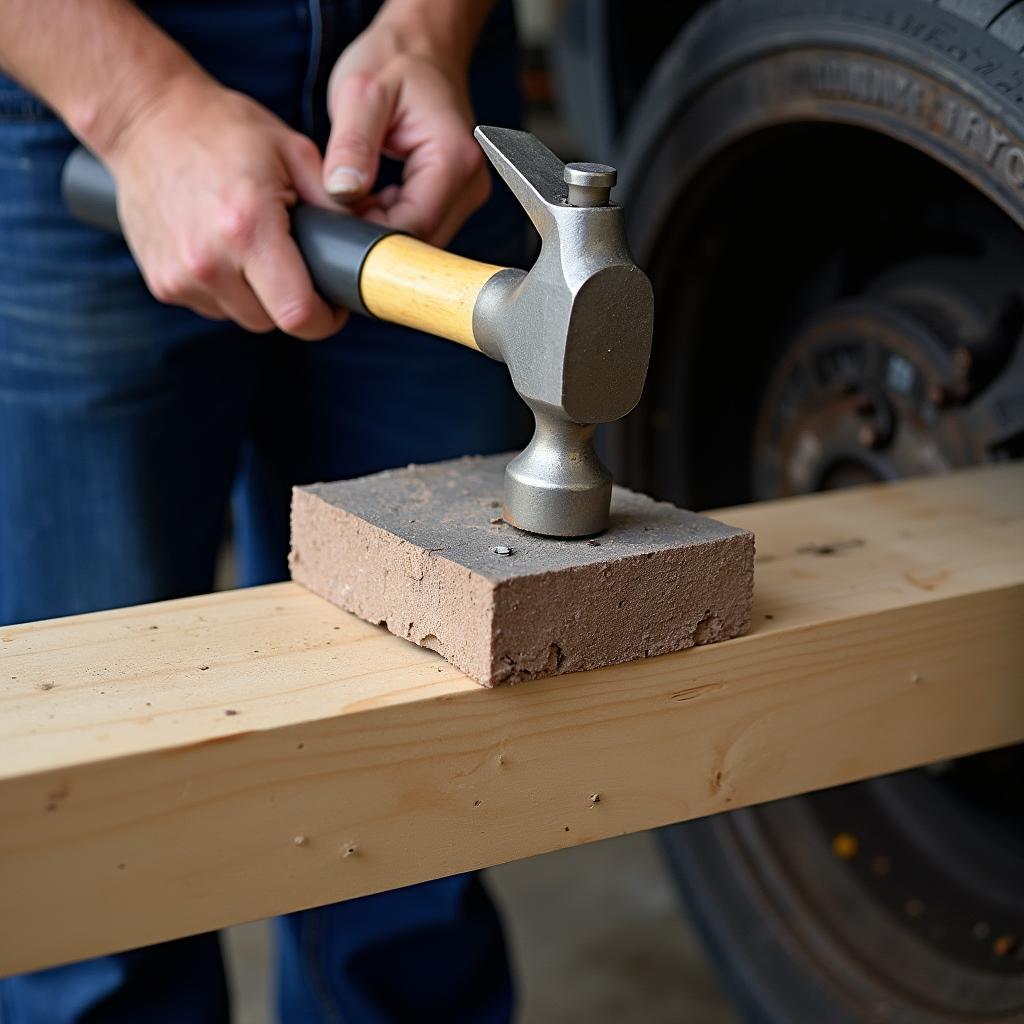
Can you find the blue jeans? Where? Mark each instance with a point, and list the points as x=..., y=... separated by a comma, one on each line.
x=128, y=428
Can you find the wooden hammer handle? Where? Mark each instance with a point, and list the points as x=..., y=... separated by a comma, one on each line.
x=353, y=263
x=408, y=282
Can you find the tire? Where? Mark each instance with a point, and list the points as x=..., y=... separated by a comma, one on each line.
x=908, y=82
x=828, y=196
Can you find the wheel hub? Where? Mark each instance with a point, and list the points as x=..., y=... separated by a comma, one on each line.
x=881, y=386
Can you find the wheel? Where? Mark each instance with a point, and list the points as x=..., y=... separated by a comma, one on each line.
x=828, y=196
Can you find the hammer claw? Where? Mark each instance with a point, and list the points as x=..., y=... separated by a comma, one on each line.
x=528, y=167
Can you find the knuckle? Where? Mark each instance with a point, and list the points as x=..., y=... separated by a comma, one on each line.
x=200, y=264
x=160, y=290
x=297, y=315
x=168, y=285
x=304, y=147
x=353, y=144
x=256, y=325
x=238, y=218
x=401, y=66
x=362, y=84
x=178, y=284
x=473, y=157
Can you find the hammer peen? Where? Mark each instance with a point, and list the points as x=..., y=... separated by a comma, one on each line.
x=575, y=330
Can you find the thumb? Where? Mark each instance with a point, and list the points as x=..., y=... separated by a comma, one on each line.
x=361, y=107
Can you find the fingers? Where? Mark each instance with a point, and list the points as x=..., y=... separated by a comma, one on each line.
x=238, y=303
x=304, y=165
x=272, y=266
x=250, y=271
x=474, y=196
x=444, y=181
x=204, y=208
x=210, y=284
x=278, y=276
x=379, y=201
x=361, y=108
x=416, y=110
x=218, y=293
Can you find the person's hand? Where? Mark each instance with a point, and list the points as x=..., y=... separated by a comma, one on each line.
x=401, y=89
x=205, y=177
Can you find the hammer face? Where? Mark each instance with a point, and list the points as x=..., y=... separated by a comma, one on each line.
x=608, y=345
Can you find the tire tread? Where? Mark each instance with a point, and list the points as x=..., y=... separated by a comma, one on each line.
x=978, y=12
x=1009, y=27
x=1003, y=19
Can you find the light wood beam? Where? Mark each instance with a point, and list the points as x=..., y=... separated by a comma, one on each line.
x=173, y=768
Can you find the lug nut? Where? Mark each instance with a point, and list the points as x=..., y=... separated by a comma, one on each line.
x=868, y=436
x=845, y=845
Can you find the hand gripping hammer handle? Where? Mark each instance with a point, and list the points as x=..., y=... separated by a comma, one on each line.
x=366, y=267
x=574, y=331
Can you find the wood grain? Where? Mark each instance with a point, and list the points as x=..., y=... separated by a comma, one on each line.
x=173, y=768
x=408, y=282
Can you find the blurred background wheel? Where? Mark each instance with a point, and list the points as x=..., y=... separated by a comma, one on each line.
x=829, y=199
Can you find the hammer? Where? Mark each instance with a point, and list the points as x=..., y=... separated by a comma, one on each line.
x=575, y=330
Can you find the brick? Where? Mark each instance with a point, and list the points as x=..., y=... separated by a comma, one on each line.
x=413, y=550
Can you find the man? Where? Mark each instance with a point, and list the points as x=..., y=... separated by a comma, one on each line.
x=127, y=424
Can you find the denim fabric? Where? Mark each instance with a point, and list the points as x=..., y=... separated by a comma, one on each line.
x=127, y=428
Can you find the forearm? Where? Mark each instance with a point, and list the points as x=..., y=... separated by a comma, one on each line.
x=98, y=63
x=446, y=27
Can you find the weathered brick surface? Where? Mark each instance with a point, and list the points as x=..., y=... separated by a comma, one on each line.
x=413, y=549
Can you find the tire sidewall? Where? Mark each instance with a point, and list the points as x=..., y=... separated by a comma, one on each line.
x=901, y=67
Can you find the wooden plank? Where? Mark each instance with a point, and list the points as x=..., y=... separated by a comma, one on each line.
x=174, y=768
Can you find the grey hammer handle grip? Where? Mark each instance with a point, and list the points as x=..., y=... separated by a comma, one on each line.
x=333, y=245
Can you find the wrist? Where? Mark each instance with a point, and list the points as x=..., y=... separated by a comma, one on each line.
x=444, y=31
x=105, y=123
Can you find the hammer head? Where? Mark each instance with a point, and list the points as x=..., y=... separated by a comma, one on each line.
x=575, y=332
